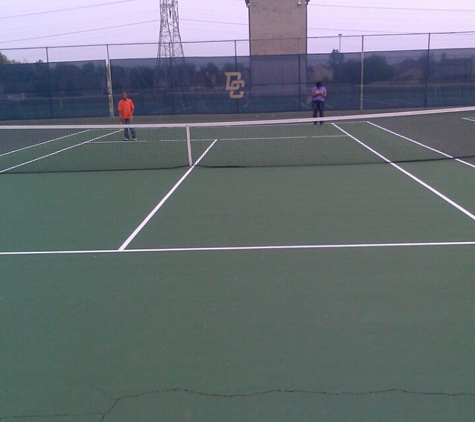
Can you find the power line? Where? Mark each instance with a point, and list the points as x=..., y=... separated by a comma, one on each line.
x=411, y=9
x=66, y=10
x=217, y=22
x=208, y=21
x=116, y=26
x=81, y=32
x=358, y=32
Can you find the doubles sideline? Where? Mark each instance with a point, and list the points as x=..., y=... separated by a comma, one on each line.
x=55, y=152
x=407, y=173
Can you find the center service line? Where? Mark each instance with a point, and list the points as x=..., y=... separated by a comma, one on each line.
x=165, y=198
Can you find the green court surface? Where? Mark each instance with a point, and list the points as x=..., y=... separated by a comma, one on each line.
x=296, y=293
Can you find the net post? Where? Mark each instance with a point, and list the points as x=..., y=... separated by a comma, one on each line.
x=188, y=146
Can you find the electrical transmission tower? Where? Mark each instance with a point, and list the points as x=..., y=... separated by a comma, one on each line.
x=169, y=41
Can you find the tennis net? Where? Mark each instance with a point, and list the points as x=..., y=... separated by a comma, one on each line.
x=357, y=139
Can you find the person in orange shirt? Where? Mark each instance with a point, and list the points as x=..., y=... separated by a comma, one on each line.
x=126, y=114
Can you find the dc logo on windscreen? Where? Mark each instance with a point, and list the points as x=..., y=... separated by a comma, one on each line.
x=234, y=83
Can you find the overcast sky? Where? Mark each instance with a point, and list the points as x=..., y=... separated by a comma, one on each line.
x=37, y=23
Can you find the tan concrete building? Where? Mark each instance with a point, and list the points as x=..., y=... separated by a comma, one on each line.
x=278, y=48
x=277, y=27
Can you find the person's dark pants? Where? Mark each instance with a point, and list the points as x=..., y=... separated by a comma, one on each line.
x=126, y=130
x=318, y=107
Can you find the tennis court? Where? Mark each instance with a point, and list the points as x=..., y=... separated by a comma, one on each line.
x=270, y=272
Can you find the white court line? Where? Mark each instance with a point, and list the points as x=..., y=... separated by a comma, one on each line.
x=120, y=142
x=54, y=153
x=427, y=186
x=264, y=138
x=244, y=248
x=272, y=138
x=422, y=145
x=151, y=141
x=165, y=198
x=43, y=143
x=352, y=122
x=327, y=136
x=470, y=119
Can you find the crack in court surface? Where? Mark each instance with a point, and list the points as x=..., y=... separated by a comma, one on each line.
x=116, y=401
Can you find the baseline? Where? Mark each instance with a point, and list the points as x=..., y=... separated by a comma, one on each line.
x=243, y=248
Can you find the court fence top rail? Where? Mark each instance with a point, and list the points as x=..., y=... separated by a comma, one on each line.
x=227, y=48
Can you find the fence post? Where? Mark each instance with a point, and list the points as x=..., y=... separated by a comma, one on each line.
x=236, y=69
x=362, y=75
x=172, y=80
x=49, y=84
x=110, y=93
x=427, y=70
x=299, y=90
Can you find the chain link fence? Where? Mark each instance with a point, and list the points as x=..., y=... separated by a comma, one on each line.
x=359, y=72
